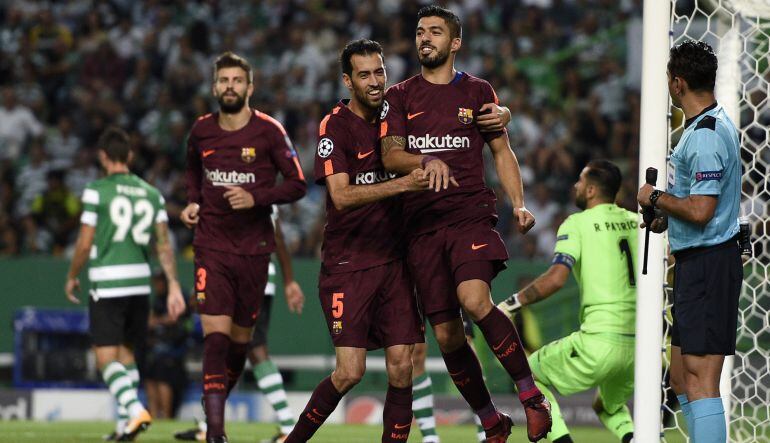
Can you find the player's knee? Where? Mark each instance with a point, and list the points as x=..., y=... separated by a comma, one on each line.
x=400, y=372
x=346, y=377
x=450, y=339
x=478, y=307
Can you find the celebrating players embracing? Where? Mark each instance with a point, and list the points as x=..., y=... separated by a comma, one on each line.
x=233, y=159
x=453, y=250
x=118, y=212
x=366, y=295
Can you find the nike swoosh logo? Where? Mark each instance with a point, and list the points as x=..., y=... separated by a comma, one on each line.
x=208, y=152
x=495, y=348
x=398, y=426
x=474, y=246
x=411, y=116
x=209, y=377
x=363, y=155
x=318, y=413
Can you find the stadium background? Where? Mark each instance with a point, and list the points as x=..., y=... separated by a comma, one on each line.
x=569, y=70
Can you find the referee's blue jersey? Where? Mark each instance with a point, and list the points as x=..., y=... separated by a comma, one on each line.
x=706, y=161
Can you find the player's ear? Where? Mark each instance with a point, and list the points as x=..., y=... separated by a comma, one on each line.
x=457, y=42
x=348, y=81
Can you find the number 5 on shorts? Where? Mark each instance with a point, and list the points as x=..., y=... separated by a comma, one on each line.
x=337, y=304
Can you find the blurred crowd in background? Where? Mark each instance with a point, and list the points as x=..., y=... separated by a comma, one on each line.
x=569, y=70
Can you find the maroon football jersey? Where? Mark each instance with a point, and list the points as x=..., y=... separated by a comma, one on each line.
x=440, y=120
x=251, y=158
x=369, y=235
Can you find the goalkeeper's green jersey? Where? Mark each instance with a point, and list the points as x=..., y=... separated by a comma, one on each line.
x=124, y=210
x=599, y=245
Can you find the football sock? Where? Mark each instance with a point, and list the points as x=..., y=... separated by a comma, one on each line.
x=270, y=383
x=422, y=405
x=236, y=359
x=481, y=436
x=465, y=370
x=708, y=416
x=322, y=403
x=397, y=414
x=559, y=427
x=505, y=343
x=215, y=351
x=684, y=403
x=620, y=423
x=121, y=387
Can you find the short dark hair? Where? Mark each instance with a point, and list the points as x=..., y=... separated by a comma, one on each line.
x=358, y=47
x=115, y=143
x=451, y=19
x=606, y=176
x=232, y=60
x=696, y=63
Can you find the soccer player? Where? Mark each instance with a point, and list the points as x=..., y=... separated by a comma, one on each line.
x=119, y=214
x=598, y=246
x=453, y=250
x=366, y=294
x=233, y=158
x=700, y=208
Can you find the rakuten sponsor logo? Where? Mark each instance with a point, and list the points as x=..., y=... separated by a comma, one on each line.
x=226, y=178
x=430, y=143
x=372, y=177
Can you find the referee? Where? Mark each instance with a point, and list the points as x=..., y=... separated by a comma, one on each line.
x=700, y=209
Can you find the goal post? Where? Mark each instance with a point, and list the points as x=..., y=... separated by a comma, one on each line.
x=739, y=31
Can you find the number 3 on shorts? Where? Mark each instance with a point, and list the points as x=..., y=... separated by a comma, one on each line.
x=200, y=281
x=337, y=304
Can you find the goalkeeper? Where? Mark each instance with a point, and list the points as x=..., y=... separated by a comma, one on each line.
x=598, y=244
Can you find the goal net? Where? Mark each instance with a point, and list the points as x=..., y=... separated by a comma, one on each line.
x=739, y=31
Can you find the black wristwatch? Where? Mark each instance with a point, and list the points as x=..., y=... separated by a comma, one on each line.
x=654, y=196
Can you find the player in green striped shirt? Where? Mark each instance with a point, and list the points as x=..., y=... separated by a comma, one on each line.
x=598, y=246
x=120, y=213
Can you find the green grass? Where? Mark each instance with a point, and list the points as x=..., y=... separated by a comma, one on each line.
x=162, y=431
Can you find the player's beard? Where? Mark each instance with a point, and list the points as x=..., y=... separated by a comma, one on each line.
x=581, y=201
x=432, y=62
x=231, y=107
x=363, y=97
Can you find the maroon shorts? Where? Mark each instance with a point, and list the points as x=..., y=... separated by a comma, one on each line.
x=371, y=308
x=442, y=259
x=230, y=284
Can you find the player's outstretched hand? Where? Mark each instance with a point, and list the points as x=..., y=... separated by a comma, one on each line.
x=496, y=119
x=189, y=215
x=416, y=181
x=525, y=220
x=659, y=223
x=510, y=306
x=175, y=301
x=295, y=299
x=239, y=198
x=71, y=288
x=439, y=175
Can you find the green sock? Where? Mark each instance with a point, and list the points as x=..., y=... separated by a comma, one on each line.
x=121, y=387
x=422, y=407
x=620, y=423
x=559, y=427
x=270, y=383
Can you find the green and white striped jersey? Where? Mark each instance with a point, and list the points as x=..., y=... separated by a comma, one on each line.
x=124, y=209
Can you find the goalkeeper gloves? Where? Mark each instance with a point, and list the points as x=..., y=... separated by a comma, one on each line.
x=510, y=306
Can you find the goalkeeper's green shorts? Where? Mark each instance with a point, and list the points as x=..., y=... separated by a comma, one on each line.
x=583, y=361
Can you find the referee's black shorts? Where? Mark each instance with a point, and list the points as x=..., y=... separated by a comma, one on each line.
x=707, y=285
x=118, y=321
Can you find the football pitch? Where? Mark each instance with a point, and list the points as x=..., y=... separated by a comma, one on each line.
x=162, y=431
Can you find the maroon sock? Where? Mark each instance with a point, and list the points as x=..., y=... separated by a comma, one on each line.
x=236, y=359
x=397, y=415
x=215, y=349
x=322, y=403
x=465, y=370
x=505, y=343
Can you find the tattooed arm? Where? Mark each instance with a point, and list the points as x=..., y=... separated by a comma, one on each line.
x=396, y=159
x=543, y=287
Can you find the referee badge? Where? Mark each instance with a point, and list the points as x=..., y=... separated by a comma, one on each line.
x=465, y=116
x=248, y=154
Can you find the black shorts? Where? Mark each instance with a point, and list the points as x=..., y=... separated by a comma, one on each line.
x=259, y=337
x=707, y=285
x=118, y=321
